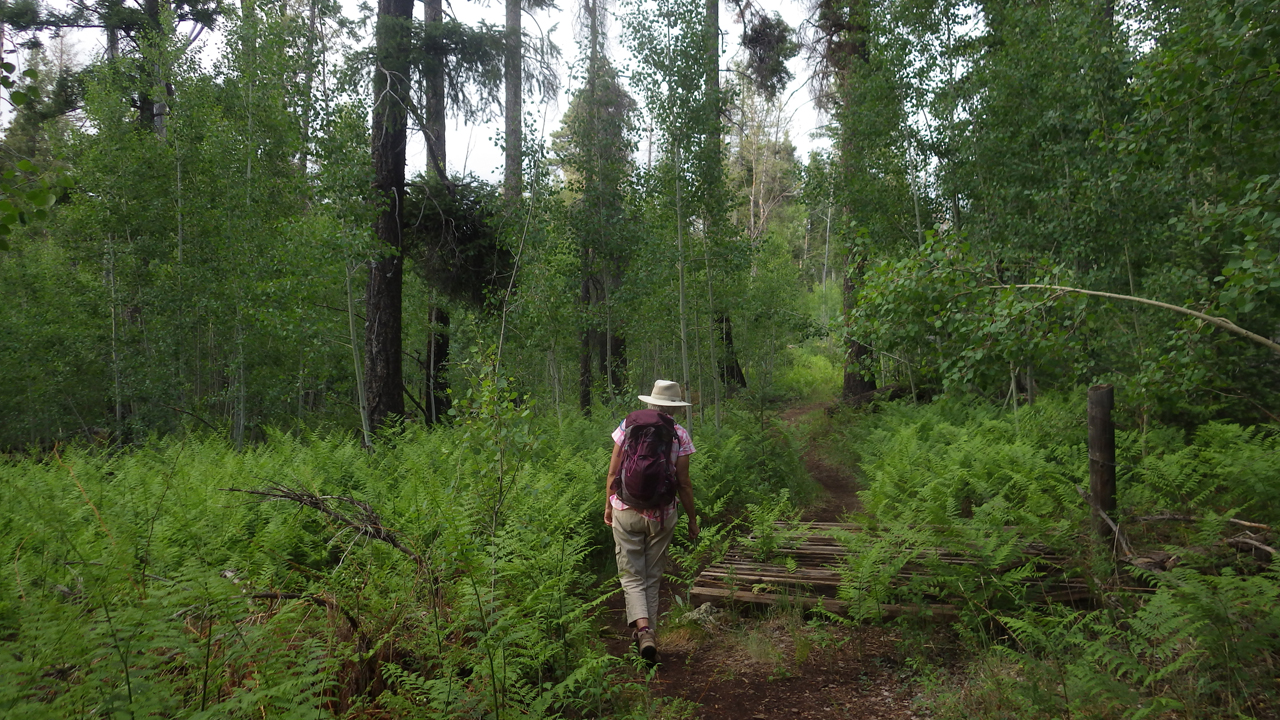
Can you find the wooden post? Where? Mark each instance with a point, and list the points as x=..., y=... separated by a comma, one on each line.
x=1102, y=456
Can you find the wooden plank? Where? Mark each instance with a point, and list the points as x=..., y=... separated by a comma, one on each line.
x=744, y=579
x=815, y=578
x=799, y=574
x=720, y=596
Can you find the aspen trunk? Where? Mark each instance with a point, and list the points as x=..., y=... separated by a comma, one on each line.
x=355, y=362
x=435, y=103
x=438, y=358
x=684, y=324
x=859, y=379
x=512, y=182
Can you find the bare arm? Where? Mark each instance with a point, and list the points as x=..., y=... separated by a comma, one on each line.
x=615, y=463
x=686, y=495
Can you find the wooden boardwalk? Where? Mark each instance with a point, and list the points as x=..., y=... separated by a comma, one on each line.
x=807, y=572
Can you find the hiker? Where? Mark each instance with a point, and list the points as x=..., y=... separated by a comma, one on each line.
x=648, y=471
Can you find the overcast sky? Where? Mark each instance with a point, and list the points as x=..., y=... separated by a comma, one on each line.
x=473, y=148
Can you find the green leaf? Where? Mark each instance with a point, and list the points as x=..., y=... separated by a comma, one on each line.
x=18, y=98
x=26, y=166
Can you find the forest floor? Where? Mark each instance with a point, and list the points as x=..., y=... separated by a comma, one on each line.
x=778, y=664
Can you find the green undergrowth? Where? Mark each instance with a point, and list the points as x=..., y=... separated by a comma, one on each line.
x=1195, y=639
x=453, y=572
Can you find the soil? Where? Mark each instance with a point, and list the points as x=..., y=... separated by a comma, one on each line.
x=778, y=665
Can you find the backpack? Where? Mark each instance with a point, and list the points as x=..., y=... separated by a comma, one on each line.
x=648, y=477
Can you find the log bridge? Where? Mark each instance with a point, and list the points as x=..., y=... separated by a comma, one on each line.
x=817, y=557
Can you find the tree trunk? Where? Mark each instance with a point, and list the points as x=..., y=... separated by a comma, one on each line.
x=850, y=45
x=684, y=322
x=382, y=340
x=512, y=181
x=308, y=79
x=435, y=107
x=584, y=372
x=147, y=115
x=859, y=379
x=438, y=357
x=618, y=364
x=730, y=371
x=713, y=46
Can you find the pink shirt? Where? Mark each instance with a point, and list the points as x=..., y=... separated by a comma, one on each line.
x=685, y=448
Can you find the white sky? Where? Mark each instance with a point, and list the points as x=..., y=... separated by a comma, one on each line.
x=473, y=148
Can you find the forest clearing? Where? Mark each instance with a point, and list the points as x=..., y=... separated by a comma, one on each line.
x=305, y=407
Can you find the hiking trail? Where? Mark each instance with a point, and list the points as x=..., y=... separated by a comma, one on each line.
x=776, y=664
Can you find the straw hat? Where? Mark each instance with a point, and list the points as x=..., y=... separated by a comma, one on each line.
x=665, y=392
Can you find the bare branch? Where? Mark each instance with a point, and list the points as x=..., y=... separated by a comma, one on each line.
x=1242, y=543
x=1219, y=322
x=1192, y=518
x=365, y=521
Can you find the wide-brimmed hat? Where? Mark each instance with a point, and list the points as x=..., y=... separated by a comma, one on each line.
x=665, y=392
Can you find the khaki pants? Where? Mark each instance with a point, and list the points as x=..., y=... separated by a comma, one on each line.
x=641, y=549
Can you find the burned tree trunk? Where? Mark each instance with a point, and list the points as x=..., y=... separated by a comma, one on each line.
x=730, y=371
x=382, y=345
x=859, y=380
x=617, y=364
x=438, y=358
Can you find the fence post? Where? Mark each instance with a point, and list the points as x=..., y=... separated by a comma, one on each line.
x=1102, y=456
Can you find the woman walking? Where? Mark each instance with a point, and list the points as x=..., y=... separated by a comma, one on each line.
x=648, y=471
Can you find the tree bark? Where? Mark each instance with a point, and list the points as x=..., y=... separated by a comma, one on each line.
x=859, y=380
x=713, y=47
x=617, y=348
x=512, y=182
x=584, y=372
x=147, y=115
x=730, y=371
x=1102, y=456
x=438, y=358
x=383, y=373
x=851, y=50
x=435, y=105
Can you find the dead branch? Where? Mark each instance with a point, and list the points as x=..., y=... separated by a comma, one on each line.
x=318, y=600
x=364, y=520
x=1192, y=518
x=1249, y=544
x=1123, y=541
x=1219, y=322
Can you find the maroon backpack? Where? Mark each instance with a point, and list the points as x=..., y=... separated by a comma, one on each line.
x=648, y=477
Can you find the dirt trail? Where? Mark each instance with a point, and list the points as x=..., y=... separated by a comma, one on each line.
x=778, y=665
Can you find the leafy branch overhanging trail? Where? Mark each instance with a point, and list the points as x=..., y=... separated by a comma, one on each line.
x=1220, y=322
